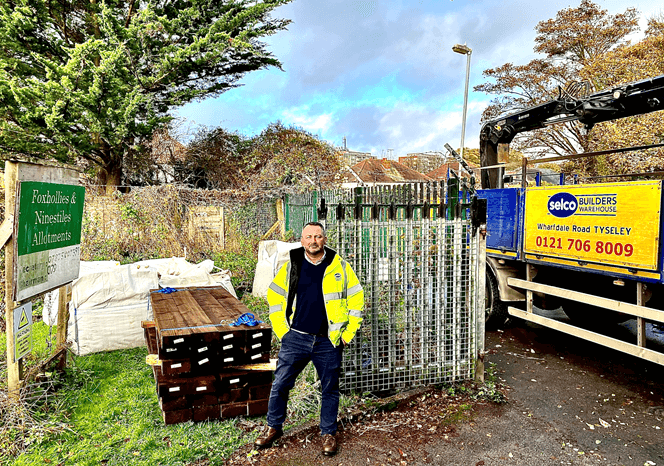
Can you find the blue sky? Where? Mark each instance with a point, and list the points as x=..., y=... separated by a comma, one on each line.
x=383, y=74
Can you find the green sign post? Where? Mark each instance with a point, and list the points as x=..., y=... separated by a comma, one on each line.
x=48, y=236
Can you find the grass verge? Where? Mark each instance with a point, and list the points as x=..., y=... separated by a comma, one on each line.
x=104, y=410
x=108, y=403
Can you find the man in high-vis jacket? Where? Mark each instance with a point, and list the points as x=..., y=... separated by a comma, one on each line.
x=316, y=304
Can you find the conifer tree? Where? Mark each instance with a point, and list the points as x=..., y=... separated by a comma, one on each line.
x=93, y=79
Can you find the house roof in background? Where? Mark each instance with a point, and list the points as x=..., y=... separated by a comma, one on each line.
x=165, y=149
x=384, y=171
x=440, y=173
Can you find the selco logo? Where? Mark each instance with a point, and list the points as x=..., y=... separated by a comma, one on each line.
x=562, y=205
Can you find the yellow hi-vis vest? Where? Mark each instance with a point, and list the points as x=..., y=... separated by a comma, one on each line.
x=342, y=292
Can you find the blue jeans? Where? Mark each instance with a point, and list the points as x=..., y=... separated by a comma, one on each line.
x=297, y=349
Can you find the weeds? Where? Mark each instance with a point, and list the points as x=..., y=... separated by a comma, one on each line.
x=31, y=417
x=242, y=268
x=155, y=222
x=43, y=340
x=490, y=389
x=110, y=399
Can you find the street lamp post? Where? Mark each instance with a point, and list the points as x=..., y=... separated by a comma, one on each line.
x=464, y=50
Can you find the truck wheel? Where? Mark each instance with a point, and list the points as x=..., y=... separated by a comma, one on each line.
x=495, y=311
x=585, y=315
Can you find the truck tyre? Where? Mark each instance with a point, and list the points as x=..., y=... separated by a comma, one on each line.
x=495, y=311
x=587, y=316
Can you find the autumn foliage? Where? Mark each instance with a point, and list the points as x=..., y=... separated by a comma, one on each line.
x=279, y=158
x=584, y=44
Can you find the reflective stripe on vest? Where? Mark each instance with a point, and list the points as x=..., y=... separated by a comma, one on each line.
x=355, y=313
x=277, y=289
x=354, y=289
x=331, y=296
x=336, y=327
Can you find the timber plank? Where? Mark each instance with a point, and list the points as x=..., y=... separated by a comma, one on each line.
x=213, y=308
x=257, y=408
x=234, y=379
x=172, y=352
x=150, y=334
x=206, y=412
x=260, y=392
x=257, y=358
x=203, y=349
x=228, y=302
x=202, y=365
x=175, y=366
x=171, y=318
x=195, y=343
x=195, y=314
x=234, y=410
x=163, y=318
x=234, y=396
x=174, y=404
x=172, y=387
x=171, y=324
x=259, y=339
x=186, y=311
x=177, y=417
x=202, y=400
x=232, y=348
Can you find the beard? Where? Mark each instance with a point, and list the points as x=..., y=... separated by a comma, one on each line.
x=314, y=249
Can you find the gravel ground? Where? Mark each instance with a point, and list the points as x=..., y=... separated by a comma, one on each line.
x=568, y=402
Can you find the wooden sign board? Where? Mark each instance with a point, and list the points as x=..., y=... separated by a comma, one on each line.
x=45, y=205
x=47, y=235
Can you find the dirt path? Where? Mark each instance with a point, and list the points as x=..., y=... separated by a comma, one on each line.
x=569, y=402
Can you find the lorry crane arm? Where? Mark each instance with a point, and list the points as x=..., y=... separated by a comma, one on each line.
x=622, y=101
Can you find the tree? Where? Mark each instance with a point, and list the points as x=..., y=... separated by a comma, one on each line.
x=570, y=41
x=92, y=80
x=280, y=157
x=290, y=157
x=623, y=65
x=216, y=159
x=577, y=36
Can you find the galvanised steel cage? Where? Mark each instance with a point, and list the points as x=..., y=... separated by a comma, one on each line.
x=418, y=251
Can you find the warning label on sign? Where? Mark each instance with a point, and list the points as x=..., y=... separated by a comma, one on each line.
x=22, y=330
x=23, y=321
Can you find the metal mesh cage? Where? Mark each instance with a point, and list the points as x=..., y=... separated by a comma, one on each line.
x=418, y=263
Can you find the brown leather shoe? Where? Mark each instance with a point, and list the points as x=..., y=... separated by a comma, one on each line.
x=268, y=439
x=329, y=445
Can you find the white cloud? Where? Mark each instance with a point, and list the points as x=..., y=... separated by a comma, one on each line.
x=301, y=117
x=383, y=74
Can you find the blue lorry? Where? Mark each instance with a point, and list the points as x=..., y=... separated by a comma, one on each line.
x=594, y=249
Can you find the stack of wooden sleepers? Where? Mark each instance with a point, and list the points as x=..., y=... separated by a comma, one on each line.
x=204, y=367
